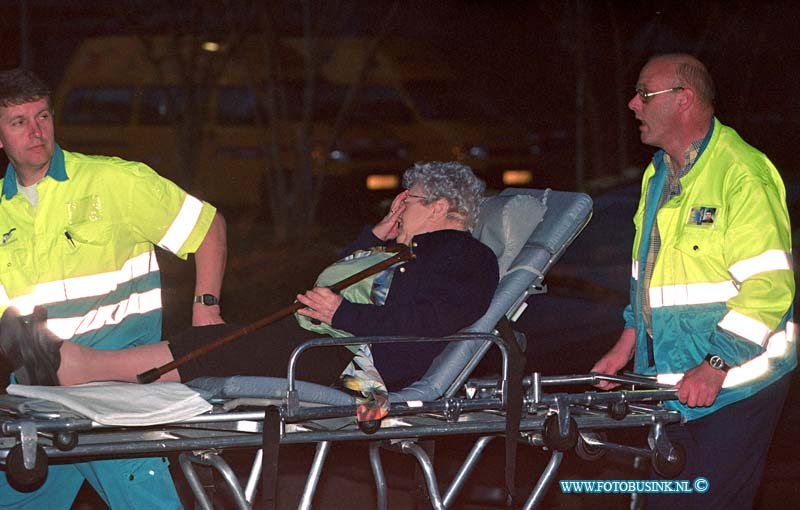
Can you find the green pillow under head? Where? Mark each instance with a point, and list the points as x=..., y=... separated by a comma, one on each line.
x=365, y=291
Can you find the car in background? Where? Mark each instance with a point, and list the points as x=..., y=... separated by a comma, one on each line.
x=407, y=107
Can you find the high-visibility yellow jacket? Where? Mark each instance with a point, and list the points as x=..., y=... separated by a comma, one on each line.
x=722, y=282
x=86, y=252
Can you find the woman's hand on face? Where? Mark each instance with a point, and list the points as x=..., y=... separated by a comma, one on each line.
x=387, y=228
x=321, y=304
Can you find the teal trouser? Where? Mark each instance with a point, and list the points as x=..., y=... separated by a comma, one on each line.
x=124, y=484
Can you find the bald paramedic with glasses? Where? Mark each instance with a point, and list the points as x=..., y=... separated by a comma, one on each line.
x=77, y=236
x=711, y=301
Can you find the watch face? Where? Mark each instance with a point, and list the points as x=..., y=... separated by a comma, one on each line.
x=209, y=299
x=716, y=362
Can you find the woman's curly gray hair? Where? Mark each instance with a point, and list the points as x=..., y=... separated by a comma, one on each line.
x=452, y=181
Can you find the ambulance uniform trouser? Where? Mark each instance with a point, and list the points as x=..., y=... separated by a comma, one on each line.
x=124, y=484
x=729, y=449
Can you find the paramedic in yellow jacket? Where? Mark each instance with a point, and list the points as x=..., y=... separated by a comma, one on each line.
x=712, y=284
x=77, y=235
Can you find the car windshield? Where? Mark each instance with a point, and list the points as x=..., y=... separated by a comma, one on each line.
x=448, y=101
x=373, y=104
x=99, y=105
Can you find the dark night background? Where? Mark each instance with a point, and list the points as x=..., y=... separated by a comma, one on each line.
x=524, y=58
x=562, y=71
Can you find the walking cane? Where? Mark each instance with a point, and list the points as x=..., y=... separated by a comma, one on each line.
x=404, y=255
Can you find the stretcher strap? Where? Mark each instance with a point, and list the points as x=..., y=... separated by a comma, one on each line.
x=516, y=368
x=271, y=442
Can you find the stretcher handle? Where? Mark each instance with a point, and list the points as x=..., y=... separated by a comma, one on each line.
x=632, y=379
x=403, y=255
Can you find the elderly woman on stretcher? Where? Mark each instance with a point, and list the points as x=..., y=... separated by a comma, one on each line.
x=447, y=286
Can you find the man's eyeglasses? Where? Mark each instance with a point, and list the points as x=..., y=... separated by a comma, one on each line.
x=645, y=96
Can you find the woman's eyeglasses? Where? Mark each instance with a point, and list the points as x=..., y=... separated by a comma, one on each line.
x=417, y=196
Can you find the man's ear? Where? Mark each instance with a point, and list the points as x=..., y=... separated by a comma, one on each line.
x=686, y=99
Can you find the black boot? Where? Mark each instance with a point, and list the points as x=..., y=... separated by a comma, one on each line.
x=30, y=348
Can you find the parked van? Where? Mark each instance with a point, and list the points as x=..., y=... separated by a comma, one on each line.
x=113, y=100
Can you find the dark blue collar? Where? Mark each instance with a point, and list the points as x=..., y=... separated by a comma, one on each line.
x=57, y=171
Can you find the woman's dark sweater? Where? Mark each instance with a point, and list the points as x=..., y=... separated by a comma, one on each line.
x=447, y=287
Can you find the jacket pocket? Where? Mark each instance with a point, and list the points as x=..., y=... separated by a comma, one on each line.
x=95, y=233
x=87, y=242
x=700, y=242
x=11, y=258
x=85, y=222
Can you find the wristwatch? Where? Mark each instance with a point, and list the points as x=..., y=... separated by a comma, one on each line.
x=207, y=299
x=717, y=362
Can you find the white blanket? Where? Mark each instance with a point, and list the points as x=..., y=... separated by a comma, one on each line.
x=124, y=404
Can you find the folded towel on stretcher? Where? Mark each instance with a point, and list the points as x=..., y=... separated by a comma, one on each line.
x=123, y=404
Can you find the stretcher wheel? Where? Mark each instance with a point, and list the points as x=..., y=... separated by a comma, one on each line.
x=618, y=410
x=65, y=441
x=666, y=468
x=552, y=437
x=21, y=478
x=587, y=451
x=369, y=426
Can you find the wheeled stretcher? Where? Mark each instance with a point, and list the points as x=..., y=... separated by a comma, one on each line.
x=529, y=230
